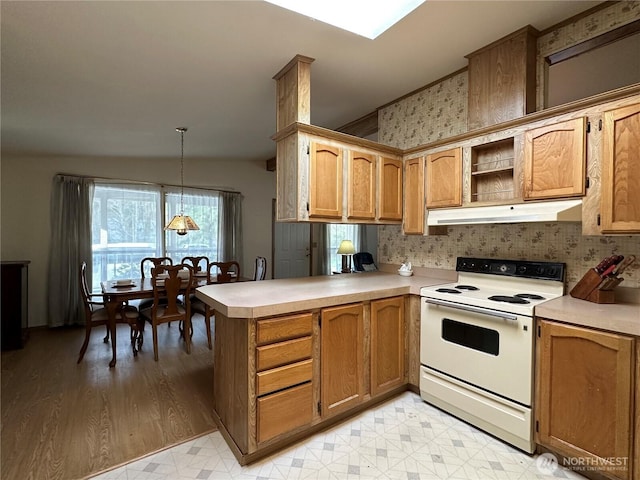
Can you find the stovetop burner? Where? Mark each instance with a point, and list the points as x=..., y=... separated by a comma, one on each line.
x=507, y=299
x=531, y=296
x=467, y=287
x=512, y=286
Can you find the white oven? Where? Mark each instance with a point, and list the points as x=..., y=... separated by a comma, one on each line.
x=477, y=343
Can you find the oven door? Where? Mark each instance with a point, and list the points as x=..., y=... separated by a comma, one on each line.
x=488, y=349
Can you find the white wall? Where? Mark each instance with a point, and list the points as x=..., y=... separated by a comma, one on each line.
x=25, y=190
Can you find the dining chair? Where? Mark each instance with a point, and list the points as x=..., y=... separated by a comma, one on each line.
x=96, y=314
x=147, y=264
x=199, y=264
x=227, y=272
x=169, y=283
x=260, y=271
x=200, y=267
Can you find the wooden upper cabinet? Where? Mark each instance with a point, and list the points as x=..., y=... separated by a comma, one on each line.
x=325, y=181
x=387, y=344
x=361, y=186
x=554, y=160
x=413, y=218
x=620, y=201
x=390, y=189
x=584, y=394
x=502, y=79
x=342, y=370
x=444, y=178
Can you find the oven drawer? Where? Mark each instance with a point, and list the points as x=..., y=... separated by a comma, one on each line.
x=493, y=351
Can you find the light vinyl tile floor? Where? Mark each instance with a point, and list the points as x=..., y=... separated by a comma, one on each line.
x=403, y=438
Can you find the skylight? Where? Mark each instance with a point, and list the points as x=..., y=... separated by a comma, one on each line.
x=368, y=18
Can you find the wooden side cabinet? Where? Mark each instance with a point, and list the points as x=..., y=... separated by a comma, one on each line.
x=387, y=344
x=584, y=395
x=341, y=353
x=502, y=80
x=620, y=201
x=444, y=178
x=555, y=161
x=15, y=304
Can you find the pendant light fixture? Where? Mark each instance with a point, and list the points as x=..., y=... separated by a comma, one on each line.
x=181, y=223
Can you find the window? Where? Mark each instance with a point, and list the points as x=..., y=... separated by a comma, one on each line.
x=336, y=233
x=128, y=224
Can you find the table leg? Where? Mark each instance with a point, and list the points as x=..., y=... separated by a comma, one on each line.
x=112, y=307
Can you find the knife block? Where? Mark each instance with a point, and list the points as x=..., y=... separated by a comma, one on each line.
x=590, y=288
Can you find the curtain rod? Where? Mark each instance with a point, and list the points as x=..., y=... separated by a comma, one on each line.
x=137, y=182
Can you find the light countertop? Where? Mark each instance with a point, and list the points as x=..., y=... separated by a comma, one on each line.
x=276, y=297
x=621, y=317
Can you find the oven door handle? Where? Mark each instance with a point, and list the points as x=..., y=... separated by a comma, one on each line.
x=470, y=308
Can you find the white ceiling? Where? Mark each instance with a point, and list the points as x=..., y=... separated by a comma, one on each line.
x=112, y=78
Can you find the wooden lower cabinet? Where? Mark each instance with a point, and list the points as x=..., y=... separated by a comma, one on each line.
x=387, y=344
x=585, y=397
x=278, y=379
x=342, y=369
x=284, y=411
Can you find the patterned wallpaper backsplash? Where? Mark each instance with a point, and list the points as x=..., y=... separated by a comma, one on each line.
x=440, y=111
x=549, y=242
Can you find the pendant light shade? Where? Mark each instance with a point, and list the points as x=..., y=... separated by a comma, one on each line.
x=182, y=223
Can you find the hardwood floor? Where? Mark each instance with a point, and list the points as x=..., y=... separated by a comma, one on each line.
x=66, y=421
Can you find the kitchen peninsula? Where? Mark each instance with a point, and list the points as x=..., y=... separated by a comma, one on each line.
x=292, y=356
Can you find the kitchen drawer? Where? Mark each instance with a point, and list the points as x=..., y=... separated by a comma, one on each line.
x=283, y=328
x=276, y=354
x=283, y=411
x=283, y=377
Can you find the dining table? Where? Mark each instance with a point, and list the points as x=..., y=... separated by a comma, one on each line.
x=116, y=294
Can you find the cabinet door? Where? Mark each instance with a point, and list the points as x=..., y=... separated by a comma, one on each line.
x=584, y=393
x=342, y=369
x=620, y=203
x=325, y=182
x=387, y=344
x=361, y=186
x=390, y=196
x=413, y=218
x=554, y=160
x=444, y=178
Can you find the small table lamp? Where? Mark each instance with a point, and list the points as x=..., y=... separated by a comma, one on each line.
x=346, y=249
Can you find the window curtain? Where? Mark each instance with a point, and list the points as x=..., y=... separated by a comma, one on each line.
x=204, y=207
x=333, y=236
x=230, y=227
x=322, y=261
x=71, y=200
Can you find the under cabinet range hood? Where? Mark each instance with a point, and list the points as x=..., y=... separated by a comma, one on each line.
x=556, y=211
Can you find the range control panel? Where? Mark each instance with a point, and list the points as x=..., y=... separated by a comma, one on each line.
x=512, y=268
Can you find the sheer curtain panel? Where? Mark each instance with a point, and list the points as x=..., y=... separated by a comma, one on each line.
x=71, y=199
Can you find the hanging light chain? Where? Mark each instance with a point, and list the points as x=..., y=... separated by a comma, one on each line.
x=181, y=130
